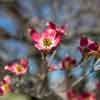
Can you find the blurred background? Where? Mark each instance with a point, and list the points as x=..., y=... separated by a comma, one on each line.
x=81, y=16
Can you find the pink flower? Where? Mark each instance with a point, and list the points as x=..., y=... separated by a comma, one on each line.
x=87, y=96
x=88, y=45
x=5, y=85
x=68, y=62
x=53, y=67
x=45, y=42
x=57, y=29
x=18, y=68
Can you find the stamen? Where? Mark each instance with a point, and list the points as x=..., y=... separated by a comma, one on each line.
x=6, y=87
x=47, y=42
x=19, y=67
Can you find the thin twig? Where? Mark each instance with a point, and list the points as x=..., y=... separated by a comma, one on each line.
x=52, y=56
x=78, y=81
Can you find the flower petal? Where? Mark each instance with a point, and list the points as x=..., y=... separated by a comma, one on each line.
x=10, y=67
x=90, y=41
x=51, y=25
x=49, y=32
x=24, y=61
x=57, y=40
x=38, y=46
x=1, y=91
x=31, y=31
x=93, y=46
x=7, y=79
x=52, y=67
x=35, y=37
x=83, y=41
x=60, y=30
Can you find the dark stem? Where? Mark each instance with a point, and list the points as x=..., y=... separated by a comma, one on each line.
x=43, y=79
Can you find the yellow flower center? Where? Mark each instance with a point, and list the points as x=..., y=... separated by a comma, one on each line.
x=68, y=65
x=19, y=68
x=47, y=42
x=6, y=87
x=87, y=98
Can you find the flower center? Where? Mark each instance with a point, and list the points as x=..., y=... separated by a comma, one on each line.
x=47, y=42
x=67, y=65
x=87, y=98
x=19, y=68
x=6, y=87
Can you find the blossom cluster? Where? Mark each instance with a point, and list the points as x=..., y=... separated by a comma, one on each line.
x=17, y=68
x=47, y=41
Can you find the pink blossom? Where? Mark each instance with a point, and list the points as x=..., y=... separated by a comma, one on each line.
x=53, y=67
x=5, y=85
x=68, y=62
x=45, y=42
x=18, y=68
